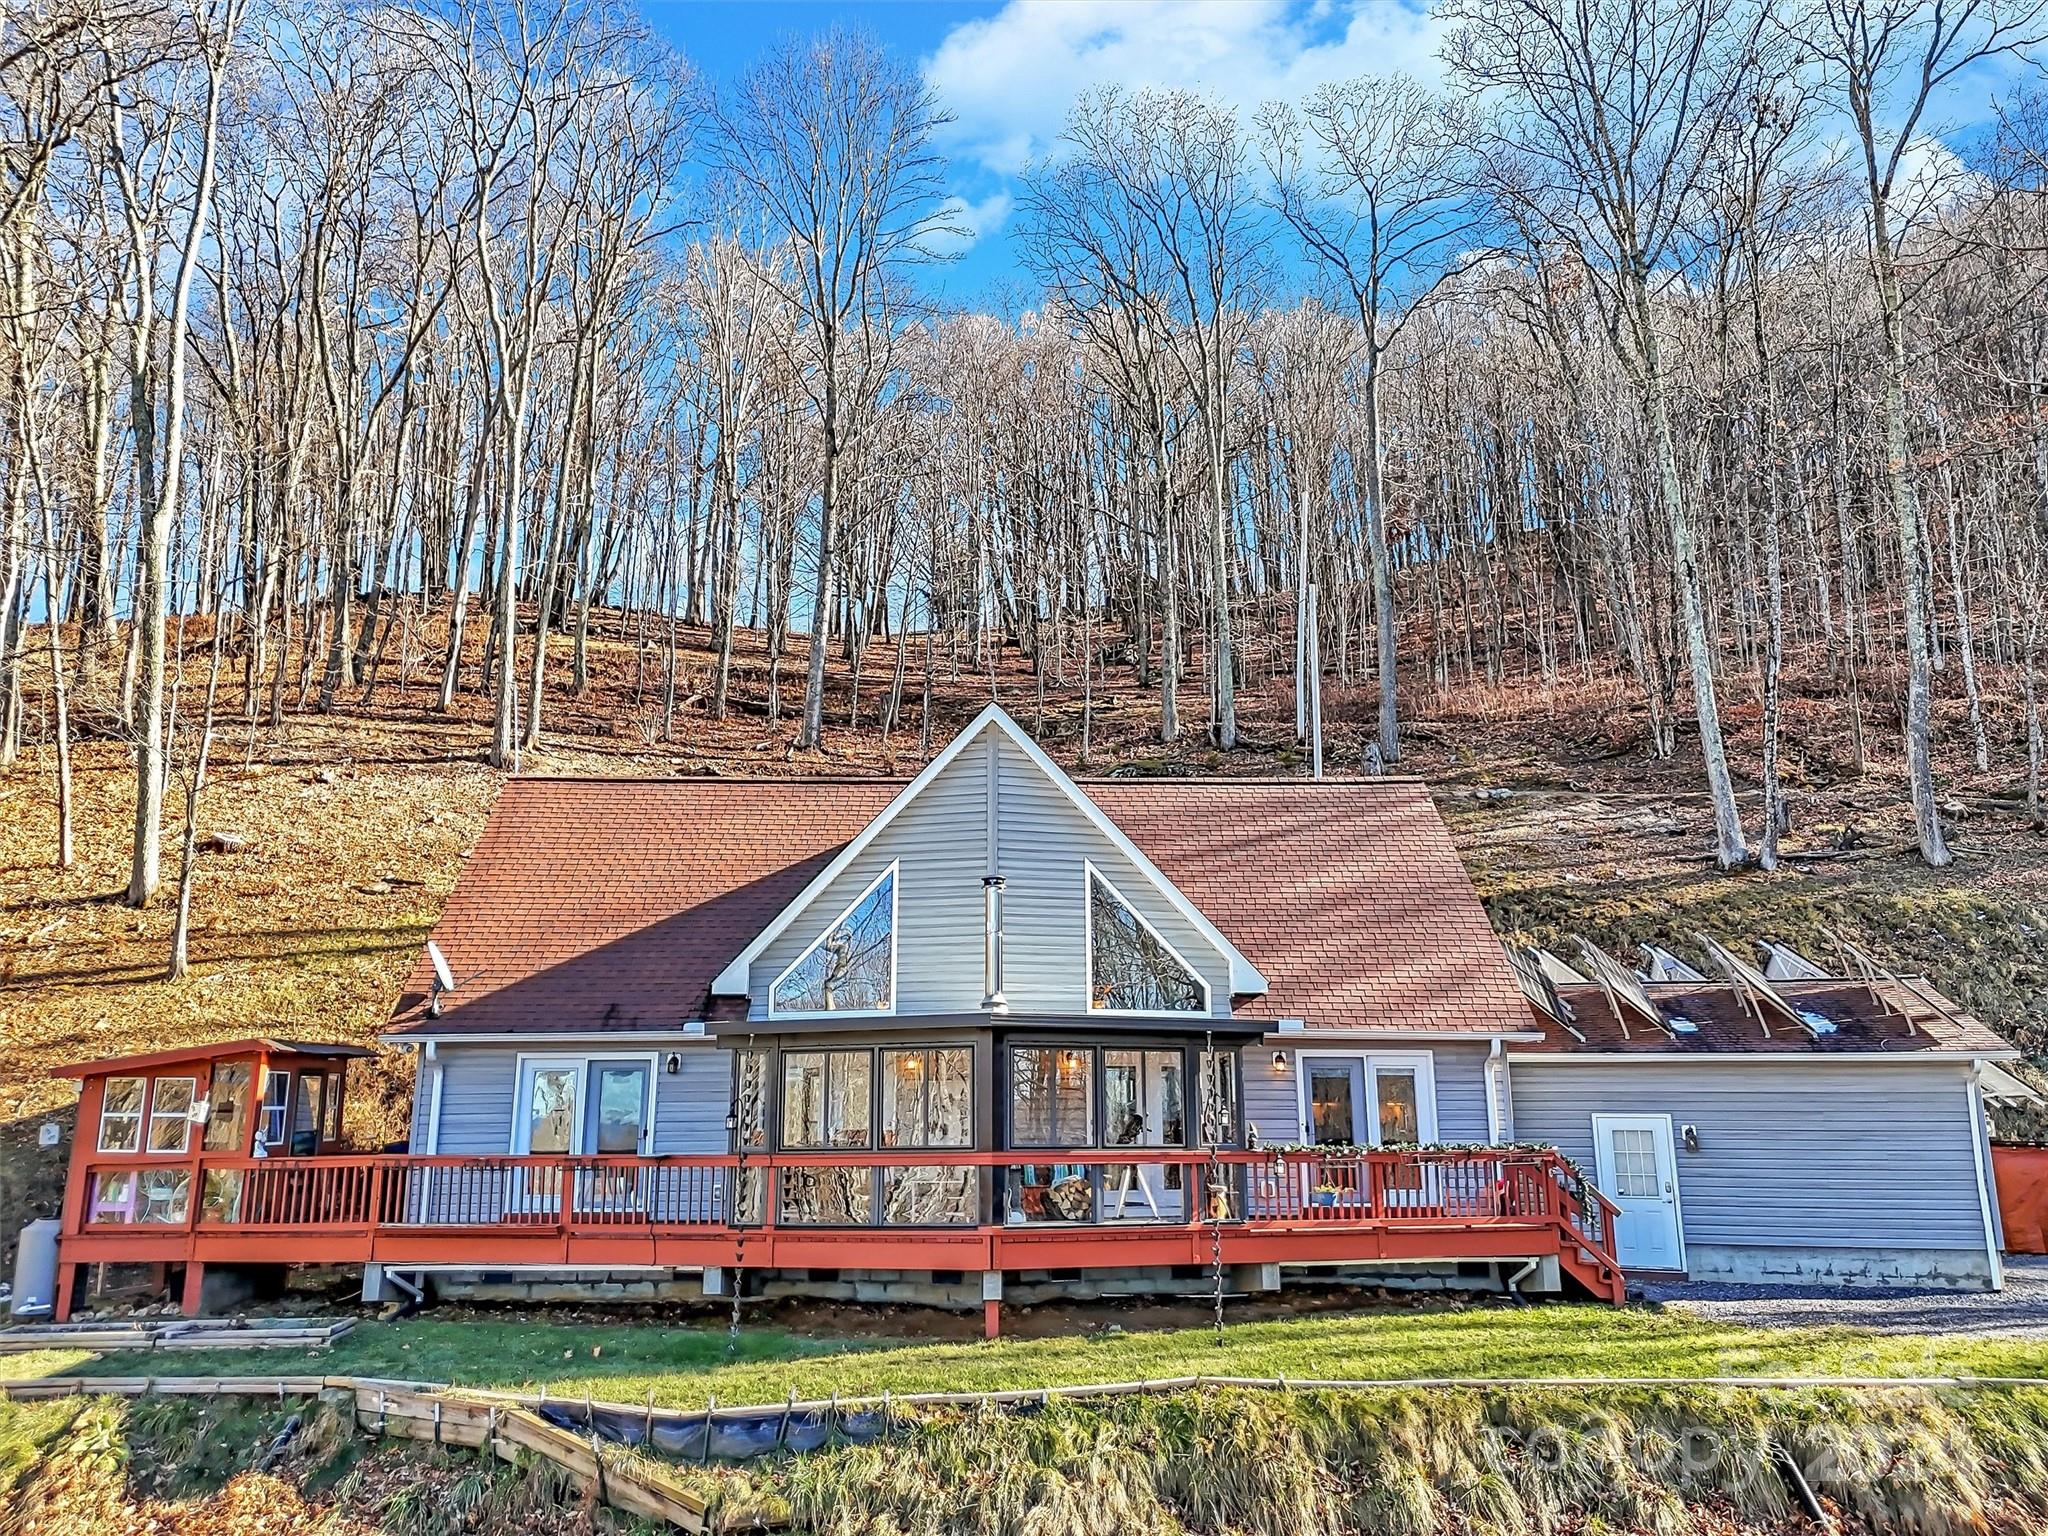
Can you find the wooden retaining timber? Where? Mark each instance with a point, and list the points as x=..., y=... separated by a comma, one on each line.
x=498, y=1422
x=396, y=1391
x=631, y=1484
x=173, y=1334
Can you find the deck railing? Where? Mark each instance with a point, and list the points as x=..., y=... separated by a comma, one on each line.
x=841, y=1189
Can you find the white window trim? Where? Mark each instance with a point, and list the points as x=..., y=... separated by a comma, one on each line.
x=184, y=1120
x=1423, y=1063
x=1091, y=872
x=521, y=1117
x=140, y=1117
x=284, y=1123
x=895, y=903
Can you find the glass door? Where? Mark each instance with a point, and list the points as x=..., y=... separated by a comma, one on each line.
x=1396, y=1106
x=306, y=1115
x=617, y=1124
x=547, y=1126
x=1143, y=1105
x=1404, y=1116
x=1336, y=1102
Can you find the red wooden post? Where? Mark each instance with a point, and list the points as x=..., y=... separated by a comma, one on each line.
x=67, y=1293
x=991, y=1319
x=195, y=1286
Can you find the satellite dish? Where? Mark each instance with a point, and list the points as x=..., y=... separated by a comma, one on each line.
x=442, y=975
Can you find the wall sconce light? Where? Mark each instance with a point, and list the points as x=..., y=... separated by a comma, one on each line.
x=674, y=1064
x=1690, y=1135
x=1280, y=1061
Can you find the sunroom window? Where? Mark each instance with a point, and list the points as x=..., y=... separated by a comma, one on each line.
x=1130, y=968
x=852, y=967
x=1052, y=1096
x=827, y=1097
x=121, y=1114
x=170, y=1114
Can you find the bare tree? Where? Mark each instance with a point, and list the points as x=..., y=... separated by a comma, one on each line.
x=1386, y=201
x=1607, y=114
x=1885, y=62
x=833, y=137
x=160, y=466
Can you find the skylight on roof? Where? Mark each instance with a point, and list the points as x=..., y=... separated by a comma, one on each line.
x=1819, y=1023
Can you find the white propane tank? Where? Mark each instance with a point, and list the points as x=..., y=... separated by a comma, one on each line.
x=35, y=1270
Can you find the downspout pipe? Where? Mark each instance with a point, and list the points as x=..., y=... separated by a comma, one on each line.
x=1513, y=1283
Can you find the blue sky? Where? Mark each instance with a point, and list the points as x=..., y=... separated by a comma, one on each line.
x=1008, y=69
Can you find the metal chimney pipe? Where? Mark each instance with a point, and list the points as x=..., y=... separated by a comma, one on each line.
x=992, y=944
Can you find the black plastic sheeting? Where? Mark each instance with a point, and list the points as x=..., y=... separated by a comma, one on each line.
x=725, y=1436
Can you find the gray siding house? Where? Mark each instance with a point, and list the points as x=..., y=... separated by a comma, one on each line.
x=995, y=958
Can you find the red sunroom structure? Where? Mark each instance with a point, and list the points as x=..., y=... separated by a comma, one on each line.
x=167, y=1139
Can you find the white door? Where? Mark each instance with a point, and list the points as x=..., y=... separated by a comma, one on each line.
x=1635, y=1168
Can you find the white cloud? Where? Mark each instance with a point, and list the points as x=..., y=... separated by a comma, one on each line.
x=969, y=222
x=1010, y=78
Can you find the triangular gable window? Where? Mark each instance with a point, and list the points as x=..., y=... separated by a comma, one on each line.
x=852, y=966
x=1131, y=969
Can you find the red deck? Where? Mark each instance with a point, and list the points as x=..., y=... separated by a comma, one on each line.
x=676, y=1212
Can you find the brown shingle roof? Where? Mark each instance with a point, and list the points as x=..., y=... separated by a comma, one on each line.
x=613, y=904
x=1862, y=1024
x=1349, y=897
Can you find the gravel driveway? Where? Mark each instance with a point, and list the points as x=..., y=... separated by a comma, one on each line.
x=2019, y=1311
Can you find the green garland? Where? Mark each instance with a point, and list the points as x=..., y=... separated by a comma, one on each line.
x=1352, y=1149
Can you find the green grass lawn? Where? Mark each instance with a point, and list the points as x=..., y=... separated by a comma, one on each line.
x=684, y=1366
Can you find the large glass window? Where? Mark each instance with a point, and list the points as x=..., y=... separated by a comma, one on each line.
x=159, y=1197
x=1130, y=968
x=853, y=967
x=928, y=1097
x=163, y=1196
x=928, y=1101
x=827, y=1102
x=826, y=1099
x=227, y=1114
x=1052, y=1096
x=121, y=1114
x=170, y=1114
